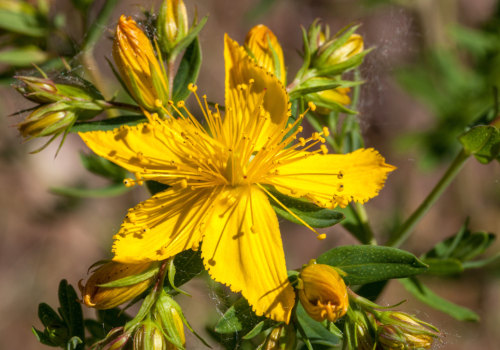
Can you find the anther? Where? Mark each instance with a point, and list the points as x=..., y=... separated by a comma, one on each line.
x=326, y=131
x=340, y=188
x=324, y=149
x=183, y=183
x=321, y=236
x=192, y=87
x=312, y=106
x=315, y=136
x=302, y=141
x=180, y=104
x=158, y=103
x=128, y=182
x=340, y=175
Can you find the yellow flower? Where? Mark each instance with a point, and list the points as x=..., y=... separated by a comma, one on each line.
x=218, y=179
x=140, y=70
x=266, y=50
x=108, y=297
x=323, y=293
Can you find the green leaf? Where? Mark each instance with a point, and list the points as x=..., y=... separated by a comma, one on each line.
x=43, y=337
x=103, y=167
x=312, y=214
x=108, y=124
x=23, y=56
x=443, y=267
x=112, y=190
x=316, y=332
x=354, y=224
x=367, y=264
x=71, y=311
x=48, y=316
x=483, y=142
x=189, y=67
x=427, y=296
x=238, y=318
x=131, y=280
x=463, y=246
x=315, y=85
x=26, y=21
x=188, y=265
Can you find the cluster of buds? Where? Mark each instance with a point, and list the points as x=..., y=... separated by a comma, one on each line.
x=322, y=292
x=369, y=328
x=398, y=330
x=60, y=106
x=326, y=59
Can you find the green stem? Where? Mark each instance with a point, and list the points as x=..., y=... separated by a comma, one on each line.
x=87, y=48
x=407, y=228
x=362, y=217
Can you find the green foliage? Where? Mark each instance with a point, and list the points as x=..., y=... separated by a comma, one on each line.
x=64, y=329
x=108, y=124
x=483, y=142
x=312, y=214
x=367, y=264
x=317, y=333
x=188, y=70
x=427, y=296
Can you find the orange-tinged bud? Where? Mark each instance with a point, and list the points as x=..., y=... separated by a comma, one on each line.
x=266, y=50
x=140, y=70
x=99, y=297
x=323, y=294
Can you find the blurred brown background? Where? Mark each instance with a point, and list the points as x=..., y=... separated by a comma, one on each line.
x=45, y=238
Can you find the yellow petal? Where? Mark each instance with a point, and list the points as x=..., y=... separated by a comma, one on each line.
x=242, y=248
x=256, y=101
x=162, y=226
x=332, y=179
x=266, y=50
x=132, y=147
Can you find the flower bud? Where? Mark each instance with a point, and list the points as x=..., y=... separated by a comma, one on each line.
x=353, y=46
x=144, y=76
x=44, y=90
x=266, y=51
x=95, y=295
x=51, y=119
x=281, y=338
x=118, y=343
x=326, y=100
x=150, y=337
x=398, y=330
x=323, y=294
x=168, y=314
x=172, y=23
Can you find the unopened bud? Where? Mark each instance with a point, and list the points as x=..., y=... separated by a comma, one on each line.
x=323, y=293
x=353, y=46
x=51, y=119
x=168, y=314
x=398, y=330
x=95, y=295
x=266, y=51
x=172, y=23
x=144, y=76
x=283, y=337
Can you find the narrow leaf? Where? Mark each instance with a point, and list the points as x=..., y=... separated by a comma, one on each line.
x=316, y=332
x=238, y=318
x=427, y=296
x=307, y=211
x=189, y=67
x=108, y=124
x=112, y=190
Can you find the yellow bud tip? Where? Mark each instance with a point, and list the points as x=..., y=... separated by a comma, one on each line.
x=321, y=236
x=312, y=106
x=326, y=131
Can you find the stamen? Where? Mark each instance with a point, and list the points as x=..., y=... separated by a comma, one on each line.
x=319, y=236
